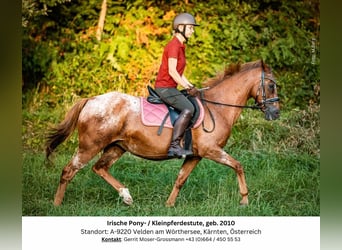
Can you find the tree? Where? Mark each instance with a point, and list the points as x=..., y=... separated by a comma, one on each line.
x=101, y=20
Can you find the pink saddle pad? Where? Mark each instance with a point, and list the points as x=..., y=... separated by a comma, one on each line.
x=154, y=114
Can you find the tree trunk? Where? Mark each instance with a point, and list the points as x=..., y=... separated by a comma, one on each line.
x=101, y=20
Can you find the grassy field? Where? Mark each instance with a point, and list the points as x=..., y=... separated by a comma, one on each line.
x=281, y=161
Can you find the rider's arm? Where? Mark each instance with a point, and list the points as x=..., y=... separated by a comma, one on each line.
x=181, y=80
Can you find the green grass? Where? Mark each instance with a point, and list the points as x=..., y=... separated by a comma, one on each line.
x=278, y=185
x=280, y=158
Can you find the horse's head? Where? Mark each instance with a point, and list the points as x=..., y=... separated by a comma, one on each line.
x=266, y=95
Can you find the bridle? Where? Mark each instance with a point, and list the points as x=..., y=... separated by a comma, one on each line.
x=261, y=105
x=258, y=105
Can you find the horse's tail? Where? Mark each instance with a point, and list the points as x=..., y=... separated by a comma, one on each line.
x=63, y=130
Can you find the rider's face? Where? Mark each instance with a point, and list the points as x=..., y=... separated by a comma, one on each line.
x=189, y=29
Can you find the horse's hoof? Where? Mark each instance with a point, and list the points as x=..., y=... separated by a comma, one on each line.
x=127, y=198
x=169, y=204
x=128, y=202
x=243, y=204
x=57, y=202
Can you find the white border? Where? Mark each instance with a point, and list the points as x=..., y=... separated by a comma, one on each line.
x=280, y=233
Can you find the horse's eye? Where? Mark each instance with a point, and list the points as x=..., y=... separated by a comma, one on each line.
x=271, y=87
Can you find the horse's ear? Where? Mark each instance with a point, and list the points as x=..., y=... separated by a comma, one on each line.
x=262, y=64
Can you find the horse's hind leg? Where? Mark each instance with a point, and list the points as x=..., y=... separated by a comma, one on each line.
x=70, y=170
x=108, y=158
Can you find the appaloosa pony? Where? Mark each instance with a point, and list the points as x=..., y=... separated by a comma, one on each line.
x=112, y=123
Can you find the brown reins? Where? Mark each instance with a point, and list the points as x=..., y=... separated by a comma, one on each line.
x=257, y=105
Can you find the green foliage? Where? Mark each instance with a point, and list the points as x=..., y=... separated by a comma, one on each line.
x=60, y=50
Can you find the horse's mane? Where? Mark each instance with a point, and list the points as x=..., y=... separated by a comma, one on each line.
x=231, y=70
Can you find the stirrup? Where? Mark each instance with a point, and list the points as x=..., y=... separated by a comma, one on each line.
x=179, y=154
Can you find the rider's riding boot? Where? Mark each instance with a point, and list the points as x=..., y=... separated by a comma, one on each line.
x=178, y=131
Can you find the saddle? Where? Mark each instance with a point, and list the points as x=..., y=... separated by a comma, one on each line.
x=157, y=113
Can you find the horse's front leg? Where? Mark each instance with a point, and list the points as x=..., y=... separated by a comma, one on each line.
x=222, y=157
x=188, y=165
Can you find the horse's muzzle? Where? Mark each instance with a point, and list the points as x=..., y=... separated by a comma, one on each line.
x=271, y=112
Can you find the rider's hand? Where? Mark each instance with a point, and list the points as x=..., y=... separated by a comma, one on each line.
x=193, y=91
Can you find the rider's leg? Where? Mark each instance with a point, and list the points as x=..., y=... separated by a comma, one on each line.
x=178, y=131
x=176, y=99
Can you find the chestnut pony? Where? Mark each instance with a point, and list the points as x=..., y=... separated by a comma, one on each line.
x=111, y=123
